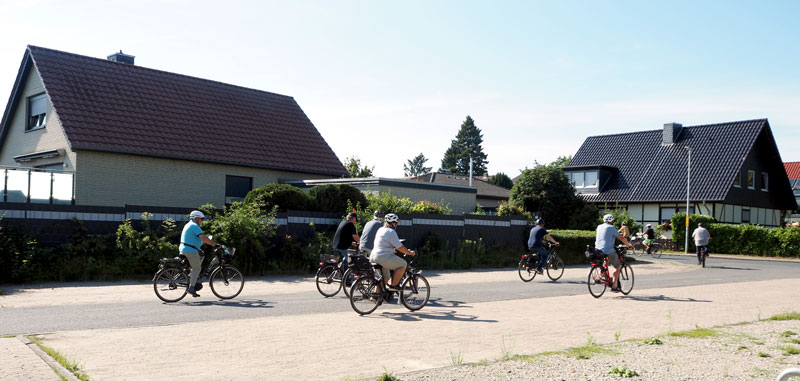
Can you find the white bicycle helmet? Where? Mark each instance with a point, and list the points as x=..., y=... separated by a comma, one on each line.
x=608, y=218
x=196, y=213
x=391, y=217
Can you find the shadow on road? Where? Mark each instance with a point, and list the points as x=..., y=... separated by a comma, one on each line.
x=729, y=268
x=246, y=303
x=444, y=315
x=447, y=303
x=662, y=298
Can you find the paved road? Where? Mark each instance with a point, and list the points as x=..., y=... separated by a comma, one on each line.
x=309, y=301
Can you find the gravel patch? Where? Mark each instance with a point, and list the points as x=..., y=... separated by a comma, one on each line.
x=758, y=350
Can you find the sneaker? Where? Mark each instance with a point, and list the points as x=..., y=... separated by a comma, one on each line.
x=539, y=271
x=615, y=290
x=192, y=292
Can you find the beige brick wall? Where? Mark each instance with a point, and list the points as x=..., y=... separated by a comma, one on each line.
x=112, y=179
x=459, y=202
x=19, y=142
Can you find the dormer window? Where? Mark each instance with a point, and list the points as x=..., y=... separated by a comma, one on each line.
x=37, y=112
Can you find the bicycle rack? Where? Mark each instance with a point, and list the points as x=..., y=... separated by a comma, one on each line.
x=788, y=373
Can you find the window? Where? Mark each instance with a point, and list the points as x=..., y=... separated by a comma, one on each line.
x=751, y=179
x=577, y=179
x=764, y=181
x=37, y=112
x=746, y=215
x=591, y=179
x=236, y=187
x=737, y=182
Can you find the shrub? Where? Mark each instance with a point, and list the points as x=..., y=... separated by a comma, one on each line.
x=573, y=244
x=678, y=222
x=508, y=208
x=284, y=196
x=620, y=216
x=246, y=227
x=335, y=198
x=140, y=246
x=16, y=251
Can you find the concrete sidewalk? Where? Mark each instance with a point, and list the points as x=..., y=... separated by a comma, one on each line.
x=343, y=344
x=18, y=362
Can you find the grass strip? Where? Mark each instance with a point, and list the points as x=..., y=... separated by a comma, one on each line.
x=74, y=367
x=786, y=316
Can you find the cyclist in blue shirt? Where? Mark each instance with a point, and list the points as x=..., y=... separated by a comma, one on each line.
x=605, y=239
x=192, y=238
x=535, y=243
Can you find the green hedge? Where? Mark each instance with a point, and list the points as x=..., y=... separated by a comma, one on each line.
x=573, y=244
x=335, y=198
x=739, y=239
x=284, y=196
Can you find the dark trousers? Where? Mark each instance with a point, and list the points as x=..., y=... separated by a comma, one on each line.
x=700, y=250
x=543, y=255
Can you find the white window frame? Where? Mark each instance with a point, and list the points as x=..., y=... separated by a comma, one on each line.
x=39, y=120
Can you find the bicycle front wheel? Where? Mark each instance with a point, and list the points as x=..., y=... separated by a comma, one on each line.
x=415, y=292
x=595, y=282
x=365, y=295
x=171, y=284
x=625, y=279
x=329, y=280
x=348, y=278
x=555, y=268
x=526, y=271
x=226, y=282
x=656, y=251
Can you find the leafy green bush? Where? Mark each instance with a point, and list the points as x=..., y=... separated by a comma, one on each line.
x=573, y=244
x=335, y=198
x=678, y=222
x=435, y=254
x=141, y=246
x=284, y=196
x=621, y=215
x=387, y=203
x=16, y=251
x=246, y=227
x=508, y=208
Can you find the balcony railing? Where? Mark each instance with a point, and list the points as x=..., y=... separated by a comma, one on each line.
x=31, y=185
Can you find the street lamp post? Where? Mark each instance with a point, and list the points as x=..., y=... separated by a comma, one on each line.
x=688, y=173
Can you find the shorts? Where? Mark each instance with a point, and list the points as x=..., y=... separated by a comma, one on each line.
x=389, y=262
x=614, y=260
x=648, y=241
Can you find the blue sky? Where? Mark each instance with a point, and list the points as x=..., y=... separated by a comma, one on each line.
x=387, y=81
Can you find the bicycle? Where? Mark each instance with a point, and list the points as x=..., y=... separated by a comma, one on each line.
x=599, y=276
x=704, y=251
x=640, y=249
x=329, y=275
x=171, y=281
x=368, y=292
x=555, y=265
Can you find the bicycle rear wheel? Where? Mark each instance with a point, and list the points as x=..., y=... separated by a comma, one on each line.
x=625, y=279
x=526, y=271
x=171, y=284
x=595, y=282
x=555, y=268
x=328, y=280
x=365, y=295
x=415, y=292
x=226, y=282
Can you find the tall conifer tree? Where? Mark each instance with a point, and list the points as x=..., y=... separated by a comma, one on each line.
x=466, y=144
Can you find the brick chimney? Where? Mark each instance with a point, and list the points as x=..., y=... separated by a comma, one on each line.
x=121, y=57
x=671, y=132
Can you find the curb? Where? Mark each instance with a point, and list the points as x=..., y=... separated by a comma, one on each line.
x=58, y=368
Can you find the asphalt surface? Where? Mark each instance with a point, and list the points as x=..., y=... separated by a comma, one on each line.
x=247, y=305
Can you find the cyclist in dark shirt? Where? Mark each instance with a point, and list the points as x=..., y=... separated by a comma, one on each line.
x=345, y=236
x=535, y=243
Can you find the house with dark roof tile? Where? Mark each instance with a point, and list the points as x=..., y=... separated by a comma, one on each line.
x=735, y=175
x=793, y=172
x=106, y=132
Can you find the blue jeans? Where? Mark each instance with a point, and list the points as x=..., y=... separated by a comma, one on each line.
x=543, y=255
x=344, y=258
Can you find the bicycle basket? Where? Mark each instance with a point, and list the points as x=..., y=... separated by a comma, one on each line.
x=228, y=253
x=360, y=263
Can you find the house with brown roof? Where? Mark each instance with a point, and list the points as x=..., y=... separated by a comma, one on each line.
x=488, y=195
x=106, y=132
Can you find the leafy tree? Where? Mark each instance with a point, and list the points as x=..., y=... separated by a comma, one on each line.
x=416, y=166
x=561, y=161
x=284, y=196
x=544, y=191
x=335, y=197
x=466, y=145
x=502, y=180
x=354, y=168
